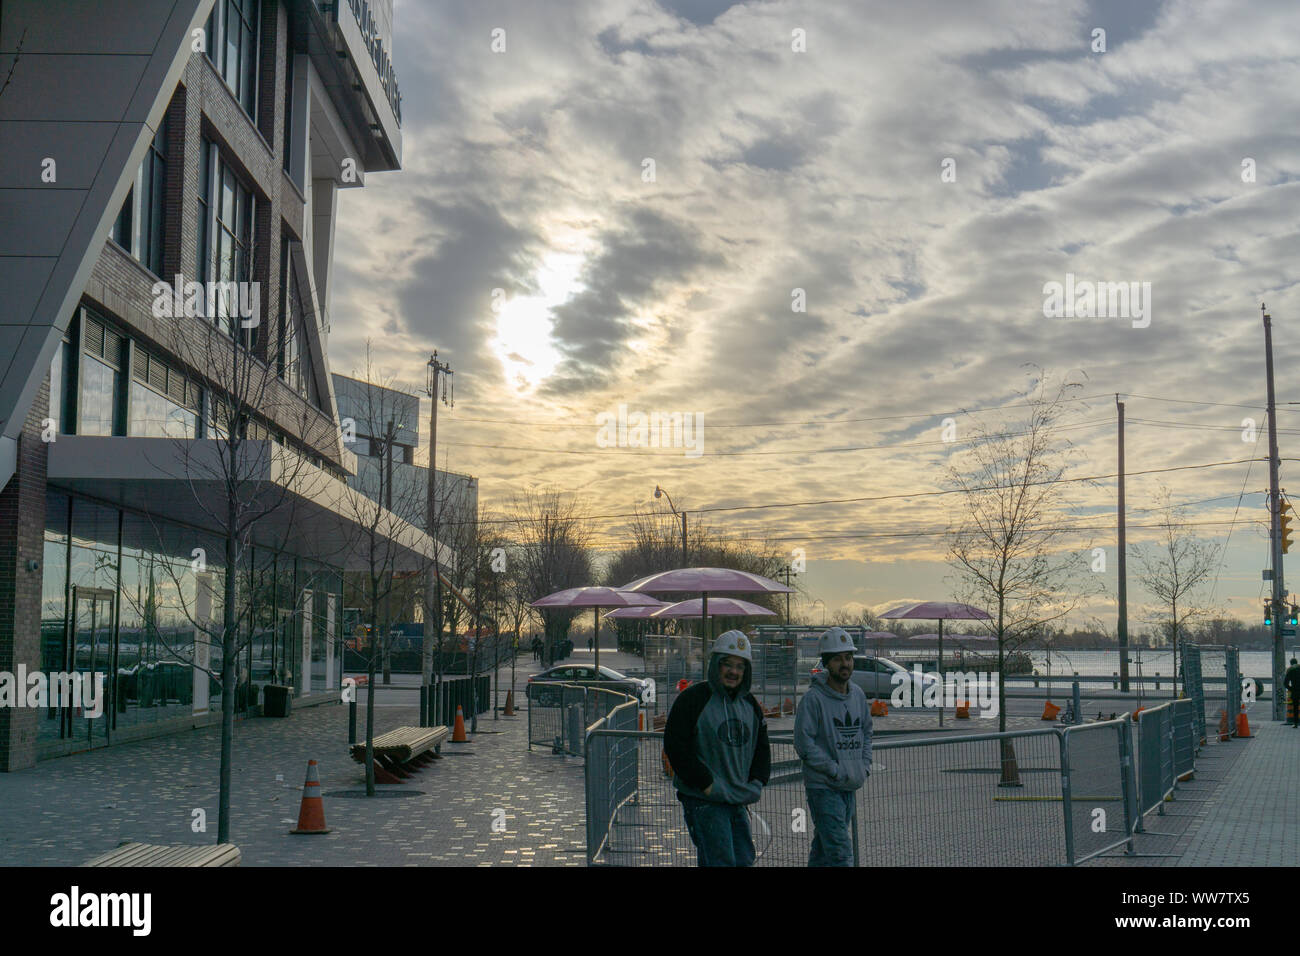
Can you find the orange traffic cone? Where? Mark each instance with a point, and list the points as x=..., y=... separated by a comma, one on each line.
x=458, y=732
x=1243, y=725
x=1050, y=711
x=963, y=710
x=311, y=815
x=510, y=704
x=1224, y=732
x=787, y=706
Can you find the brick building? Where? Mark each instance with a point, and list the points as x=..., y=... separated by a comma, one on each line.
x=169, y=176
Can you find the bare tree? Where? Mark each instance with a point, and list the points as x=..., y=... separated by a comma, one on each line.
x=379, y=539
x=256, y=464
x=1174, y=568
x=554, y=539
x=1008, y=547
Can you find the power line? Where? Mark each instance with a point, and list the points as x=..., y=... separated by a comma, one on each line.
x=913, y=494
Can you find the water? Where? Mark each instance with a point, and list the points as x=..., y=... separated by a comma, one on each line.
x=1256, y=664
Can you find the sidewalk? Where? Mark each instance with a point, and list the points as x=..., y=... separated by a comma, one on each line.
x=66, y=810
x=1242, y=808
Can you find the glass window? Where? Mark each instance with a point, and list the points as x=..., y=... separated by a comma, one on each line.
x=156, y=416
x=224, y=254
x=54, y=599
x=100, y=388
x=233, y=48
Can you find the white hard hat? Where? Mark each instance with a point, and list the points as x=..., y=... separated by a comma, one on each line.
x=834, y=641
x=733, y=642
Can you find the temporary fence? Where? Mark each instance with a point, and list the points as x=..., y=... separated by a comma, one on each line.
x=1212, y=678
x=1020, y=798
x=1166, y=751
x=669, y=660
x=560, y=714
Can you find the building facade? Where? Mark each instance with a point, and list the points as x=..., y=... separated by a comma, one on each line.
x=168, y=409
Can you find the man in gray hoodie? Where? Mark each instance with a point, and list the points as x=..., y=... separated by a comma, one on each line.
x=716, y=742
x=832, y=735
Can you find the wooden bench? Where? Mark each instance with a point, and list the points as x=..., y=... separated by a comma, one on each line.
x=149, y=854
x=402, y=752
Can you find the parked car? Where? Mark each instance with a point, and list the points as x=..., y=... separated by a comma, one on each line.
x=585, y=674
x=875, y=675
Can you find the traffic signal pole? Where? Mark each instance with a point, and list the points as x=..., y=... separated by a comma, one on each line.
x=1122, y=628
x=1275, y=528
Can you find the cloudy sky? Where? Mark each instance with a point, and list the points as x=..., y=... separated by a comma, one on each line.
x=826, y=228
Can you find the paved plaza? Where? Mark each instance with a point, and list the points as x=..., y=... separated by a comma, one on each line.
x=492, y=802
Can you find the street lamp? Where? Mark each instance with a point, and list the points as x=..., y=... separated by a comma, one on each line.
x=660, y=493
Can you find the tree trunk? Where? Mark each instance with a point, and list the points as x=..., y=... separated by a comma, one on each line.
x=229, y=649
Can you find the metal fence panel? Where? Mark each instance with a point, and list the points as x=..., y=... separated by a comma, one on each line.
x=1097, y=787
x=1192, y=687
x=1184, y=737
x=983, y=800
x=990, y=799
x=1156, y=756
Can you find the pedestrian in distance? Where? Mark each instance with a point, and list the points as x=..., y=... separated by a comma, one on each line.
x=716, y=742
x=1291, y=681
x=832, y=735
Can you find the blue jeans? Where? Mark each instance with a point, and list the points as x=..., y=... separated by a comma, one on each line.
x=832, y=813
x=720, y=832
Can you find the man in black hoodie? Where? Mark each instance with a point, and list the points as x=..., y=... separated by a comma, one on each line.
x=716, y=741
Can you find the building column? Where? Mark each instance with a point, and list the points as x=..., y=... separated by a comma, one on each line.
x=22, y=561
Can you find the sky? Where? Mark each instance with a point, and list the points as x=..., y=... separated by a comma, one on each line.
x=825, y=235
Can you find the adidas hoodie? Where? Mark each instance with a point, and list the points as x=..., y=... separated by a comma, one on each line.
x=832, y=735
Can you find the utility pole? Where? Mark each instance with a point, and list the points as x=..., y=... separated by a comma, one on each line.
x=786, y=572
x=1123, y=569
x=1274, y=525
x=433, y=615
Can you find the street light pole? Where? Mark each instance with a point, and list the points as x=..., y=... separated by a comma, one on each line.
x=659, y=492
x=433, y=615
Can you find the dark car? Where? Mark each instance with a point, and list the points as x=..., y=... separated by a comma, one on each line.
x=585, y=675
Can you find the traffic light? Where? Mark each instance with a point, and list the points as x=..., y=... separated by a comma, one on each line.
x=1291, y=618
x=1268, y=613
x=1285, y=516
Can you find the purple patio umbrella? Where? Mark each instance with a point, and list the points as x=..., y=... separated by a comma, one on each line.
x=938, y=611
x=706, y=581
x=594, y=598
x=722, y=606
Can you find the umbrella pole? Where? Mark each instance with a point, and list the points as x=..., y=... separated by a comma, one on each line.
x=704, y=635
x=943, y=690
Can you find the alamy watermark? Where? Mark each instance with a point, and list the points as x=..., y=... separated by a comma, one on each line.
x=204, y=300
x=624, y=429
x=59, y=689
x=974, y=688
x=1098, y=300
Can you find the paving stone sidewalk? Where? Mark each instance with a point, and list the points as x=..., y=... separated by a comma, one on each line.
x=1242, y=807
x=66, y=810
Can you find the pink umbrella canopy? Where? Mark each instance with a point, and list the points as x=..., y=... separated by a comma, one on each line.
x=938, y=611
x=707, y=581
x=719, y=606
x=594, y=598
x=638, y=613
